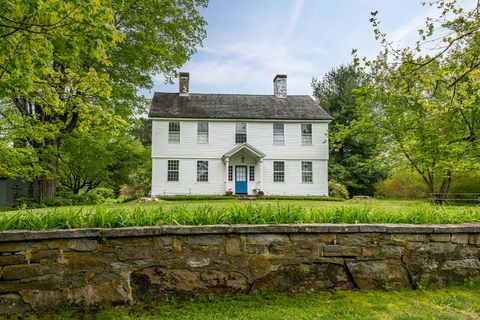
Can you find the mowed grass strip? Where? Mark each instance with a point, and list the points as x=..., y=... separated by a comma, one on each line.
x=456, y=302
x=234, y=212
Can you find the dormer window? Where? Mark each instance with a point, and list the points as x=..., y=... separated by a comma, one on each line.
x=240, y=132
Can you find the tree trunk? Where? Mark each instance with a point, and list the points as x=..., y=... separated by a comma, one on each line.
x=48, y=184
x=47, y=189
x=446, y=182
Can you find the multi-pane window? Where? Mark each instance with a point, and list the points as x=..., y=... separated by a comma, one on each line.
x=240, y=132
x=202, y=132
x=252, y=173
x=174, y=132
x=230, y=173
x=278, y=133
x=307, y=171
x=172, y=173
x=278, y=171
x=202, y=171
x=307, y=133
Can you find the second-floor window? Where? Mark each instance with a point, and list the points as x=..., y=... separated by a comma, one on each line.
x=202, y=171
x=202, y=132
x=278, y=133
x=278, y=171
x=306, y=133
x=174, y=132
x=240, y=132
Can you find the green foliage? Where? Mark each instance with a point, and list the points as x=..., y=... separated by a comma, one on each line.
x=424, y=97
x=353, y=142
x=139, y=178
x=246, y=213
x=337, y=190
x=403, y=184
x=309, y=198
x=68, y=66
x=194, y=197
x=406, y=184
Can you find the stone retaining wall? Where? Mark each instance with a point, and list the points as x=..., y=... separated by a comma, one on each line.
x=43, y=268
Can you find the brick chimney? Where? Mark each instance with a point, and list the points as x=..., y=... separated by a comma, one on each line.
x=280, y=86
x=183, y=83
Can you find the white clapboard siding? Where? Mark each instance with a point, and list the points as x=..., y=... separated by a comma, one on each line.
x=221, y=140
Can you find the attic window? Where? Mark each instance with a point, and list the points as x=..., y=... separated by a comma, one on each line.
x=174, y=132
x=240, y=132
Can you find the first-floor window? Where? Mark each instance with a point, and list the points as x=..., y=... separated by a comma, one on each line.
x=307, y=171
x=252, y=173
x=202, y=171
x=278, y=171
x=172, y=174
x=230, y=173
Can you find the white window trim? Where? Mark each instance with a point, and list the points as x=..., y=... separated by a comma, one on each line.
x=278, y=142
x=302, y=172
x=203, y=133
x=302, y=136
x=172, y=134
x=277, y=171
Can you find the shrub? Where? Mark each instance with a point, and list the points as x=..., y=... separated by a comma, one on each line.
x=313, y=198
x=104, y=193
x=403, y=184
x=337, y=190
x=196, y=197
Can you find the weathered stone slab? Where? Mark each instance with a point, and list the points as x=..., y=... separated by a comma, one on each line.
x=299, y=278
x=165, y=282
x=341, y=251
x=409, y=228
x=23, y=271
x=439, y=237
x=459, y=238
x=12, y=303
x=12, y=259
x=378, y=273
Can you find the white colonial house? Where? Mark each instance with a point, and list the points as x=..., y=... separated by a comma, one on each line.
x=216, y=143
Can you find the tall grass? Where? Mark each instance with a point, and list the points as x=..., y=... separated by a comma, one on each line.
x=248, y=213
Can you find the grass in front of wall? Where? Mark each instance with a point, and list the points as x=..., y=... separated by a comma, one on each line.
x=454, y=302
x=234, y=212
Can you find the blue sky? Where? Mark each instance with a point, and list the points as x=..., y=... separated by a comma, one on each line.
x=250, y=41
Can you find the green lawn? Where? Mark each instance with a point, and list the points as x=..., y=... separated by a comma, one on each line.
x=457, y=302
x=208, y=212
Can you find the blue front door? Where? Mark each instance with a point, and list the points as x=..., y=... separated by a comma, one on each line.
x=241, y=179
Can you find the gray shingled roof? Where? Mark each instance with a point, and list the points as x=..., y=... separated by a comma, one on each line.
x=235, y=106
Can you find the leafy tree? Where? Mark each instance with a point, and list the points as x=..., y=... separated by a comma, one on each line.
x=353, y=150
x=425, y=97
x=67, y=62
x=98, y=158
